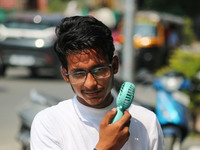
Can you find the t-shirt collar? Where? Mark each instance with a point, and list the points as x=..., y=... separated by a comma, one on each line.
x=87, y=113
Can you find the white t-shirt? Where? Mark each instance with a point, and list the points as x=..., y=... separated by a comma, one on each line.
x=71, y=125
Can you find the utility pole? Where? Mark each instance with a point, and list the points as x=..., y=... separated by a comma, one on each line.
x=128, y=54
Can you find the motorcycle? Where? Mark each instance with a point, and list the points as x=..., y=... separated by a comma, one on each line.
x=172, y=108
x=38, y=101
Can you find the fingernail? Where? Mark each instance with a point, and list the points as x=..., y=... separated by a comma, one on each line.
x=114, y=109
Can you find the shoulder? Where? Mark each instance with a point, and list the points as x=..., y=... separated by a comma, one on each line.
x=47, y=126
x=55, y=112
x=144, y=122
x=137, y=110
x=144, y=115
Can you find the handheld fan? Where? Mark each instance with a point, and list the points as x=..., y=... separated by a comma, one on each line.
x=124, y=99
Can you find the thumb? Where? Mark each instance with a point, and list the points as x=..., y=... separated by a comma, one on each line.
x=109, y=116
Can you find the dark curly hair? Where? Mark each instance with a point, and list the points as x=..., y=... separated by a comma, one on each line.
x=80, y=33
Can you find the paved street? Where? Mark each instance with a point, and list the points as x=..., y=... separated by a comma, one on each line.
x=14, y=94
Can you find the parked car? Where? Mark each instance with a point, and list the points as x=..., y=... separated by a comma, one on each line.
x=27, y=39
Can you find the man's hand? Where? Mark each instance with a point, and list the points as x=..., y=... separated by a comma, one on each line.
x=113, y=136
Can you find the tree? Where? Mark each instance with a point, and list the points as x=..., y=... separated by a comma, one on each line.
x=57, y=5
x=178, y=7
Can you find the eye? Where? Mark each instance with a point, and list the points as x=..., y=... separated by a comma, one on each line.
x=78, y=75
x=101, y=71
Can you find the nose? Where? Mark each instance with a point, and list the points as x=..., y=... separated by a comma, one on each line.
x=90, y=81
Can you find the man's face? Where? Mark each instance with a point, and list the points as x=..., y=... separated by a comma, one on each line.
x=93, y=92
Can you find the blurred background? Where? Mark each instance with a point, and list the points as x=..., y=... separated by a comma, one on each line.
x=154, y=40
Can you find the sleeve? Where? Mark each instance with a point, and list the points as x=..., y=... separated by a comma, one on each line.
x=43, y=134
x=156, y=136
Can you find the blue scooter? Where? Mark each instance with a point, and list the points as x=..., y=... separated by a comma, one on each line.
x=171, y=108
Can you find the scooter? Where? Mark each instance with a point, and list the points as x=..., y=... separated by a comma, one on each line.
x=171, y=108
x=171, y=104
x=38, y=101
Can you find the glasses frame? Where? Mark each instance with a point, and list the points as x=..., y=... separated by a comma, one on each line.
x=86, y=72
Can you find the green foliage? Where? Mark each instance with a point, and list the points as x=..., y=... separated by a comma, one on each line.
x=195, y=103
x=5, y=13
x=188, y=32
x=186, y=62
x=178, y=7
x=148, y=4
x=163, y=70
x=57, y=5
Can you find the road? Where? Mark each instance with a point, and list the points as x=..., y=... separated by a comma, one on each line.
x=14, y=94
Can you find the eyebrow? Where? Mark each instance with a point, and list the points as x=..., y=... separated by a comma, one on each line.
x=93, y=67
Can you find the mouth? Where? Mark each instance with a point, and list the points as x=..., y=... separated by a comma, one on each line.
x=92, y=94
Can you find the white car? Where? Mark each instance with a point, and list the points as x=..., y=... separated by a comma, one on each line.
x=27, y=40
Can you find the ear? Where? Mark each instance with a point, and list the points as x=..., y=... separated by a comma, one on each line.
x=63, y=75
x=115, y=64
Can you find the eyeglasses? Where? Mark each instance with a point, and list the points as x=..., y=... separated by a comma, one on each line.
x=80, y=76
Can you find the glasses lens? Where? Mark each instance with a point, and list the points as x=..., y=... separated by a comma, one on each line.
x=102, y=72
x=77, y=77
x=98, y=73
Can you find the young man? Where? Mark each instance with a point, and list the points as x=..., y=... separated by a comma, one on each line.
x=85, y=48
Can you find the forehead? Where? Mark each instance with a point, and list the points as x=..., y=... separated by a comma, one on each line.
x=86, y=58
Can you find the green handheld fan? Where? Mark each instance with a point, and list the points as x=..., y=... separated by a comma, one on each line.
x=124, y=99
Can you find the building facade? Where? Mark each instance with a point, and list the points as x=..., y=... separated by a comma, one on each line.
x=39, y=5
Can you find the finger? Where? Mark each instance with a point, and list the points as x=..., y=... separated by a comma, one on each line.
x=125, y=118
x=109, y=116
x=125, y=133
x=127, y=124
x=127, y=115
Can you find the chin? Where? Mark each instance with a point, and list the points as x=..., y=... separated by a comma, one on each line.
x=94, y=102
x=99, y=101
